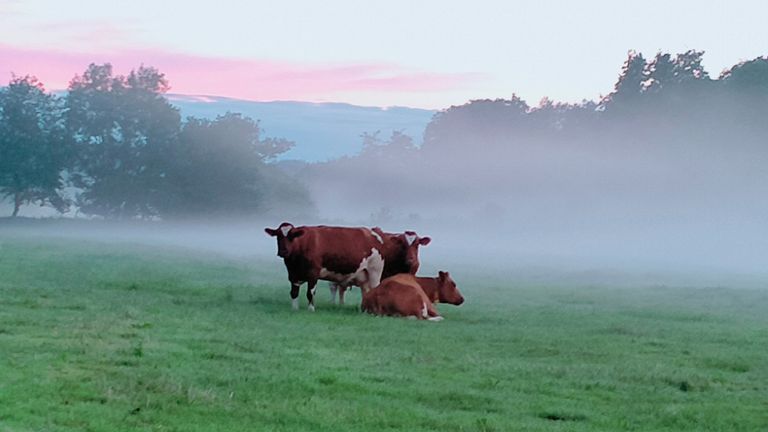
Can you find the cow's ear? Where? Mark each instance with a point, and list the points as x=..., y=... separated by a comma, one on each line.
x=424, y=241
x=294, y=233
x=441, y=274
x=270, y=231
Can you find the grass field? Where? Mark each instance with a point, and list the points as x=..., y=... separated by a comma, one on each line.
x=126, y=337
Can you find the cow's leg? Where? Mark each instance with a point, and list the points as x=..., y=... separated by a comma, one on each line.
x=342, y=291
x=334, y=288
x=311, y=285
x=295, y=295
x=430, y=313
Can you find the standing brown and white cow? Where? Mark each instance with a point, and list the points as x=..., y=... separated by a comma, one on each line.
x=344, y=256
x=401, y=255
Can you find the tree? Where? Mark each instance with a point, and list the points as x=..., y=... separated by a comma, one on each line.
x=688, y=67
x=631, y=82
x=746, y=88
x=667, y=71
x=748, y=78
x=122, y=127
x=487, y=123
x=659, y=72
x=32, y=155
x=399, y=147
x=218, y=167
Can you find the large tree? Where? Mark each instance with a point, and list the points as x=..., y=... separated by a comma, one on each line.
x=123, y=129
x=486, y=123
x=218, y=168
x=31, y=152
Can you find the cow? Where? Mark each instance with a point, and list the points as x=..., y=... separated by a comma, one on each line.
x=341, y=255
x=441, y=289
x=402, y=256
x=408, y=295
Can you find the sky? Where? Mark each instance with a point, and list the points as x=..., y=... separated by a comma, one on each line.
x=425, y=54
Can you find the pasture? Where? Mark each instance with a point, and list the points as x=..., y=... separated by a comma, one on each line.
x=109, y=337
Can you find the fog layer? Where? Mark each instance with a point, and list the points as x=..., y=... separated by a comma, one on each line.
x=670, y=171
x=667, y=175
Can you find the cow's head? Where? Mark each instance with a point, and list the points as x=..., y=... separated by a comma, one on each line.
x=286, y=234
x=447, y=291
x=411, y=242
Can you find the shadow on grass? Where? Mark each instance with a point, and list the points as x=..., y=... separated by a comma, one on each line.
x=562, y=417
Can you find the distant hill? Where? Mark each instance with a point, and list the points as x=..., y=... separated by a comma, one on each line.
x=322, y=131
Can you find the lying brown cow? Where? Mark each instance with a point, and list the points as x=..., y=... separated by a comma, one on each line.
x=345, y=256
x=407, y=295
x=403, y=257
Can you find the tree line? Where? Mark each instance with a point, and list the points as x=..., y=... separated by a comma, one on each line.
x=121, y=150
x=667, y=127
x=664, y=94
x=668, y=130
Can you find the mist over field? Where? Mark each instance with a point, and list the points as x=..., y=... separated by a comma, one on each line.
x=669, y=172
x=470, y=252
x=665, y=178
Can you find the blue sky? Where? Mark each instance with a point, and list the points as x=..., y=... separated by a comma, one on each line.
x=428, y=54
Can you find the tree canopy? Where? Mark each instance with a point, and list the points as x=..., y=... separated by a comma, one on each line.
x=32, y=155
x=122, y=129
x=119, y=142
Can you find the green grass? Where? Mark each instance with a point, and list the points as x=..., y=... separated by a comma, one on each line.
x=123, y=337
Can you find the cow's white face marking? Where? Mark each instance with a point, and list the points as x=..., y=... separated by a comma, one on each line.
x=410, y=238
x=378, y=237
x=286, y=229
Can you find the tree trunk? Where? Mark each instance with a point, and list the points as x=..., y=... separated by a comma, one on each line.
x=16, y=204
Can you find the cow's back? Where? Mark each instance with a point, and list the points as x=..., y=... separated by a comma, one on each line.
x=332, y=253
x=402, y=279
x=429, y=286
x=399, y=295
x=341, y=250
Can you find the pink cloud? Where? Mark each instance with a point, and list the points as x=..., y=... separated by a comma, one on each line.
x=237, y=78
